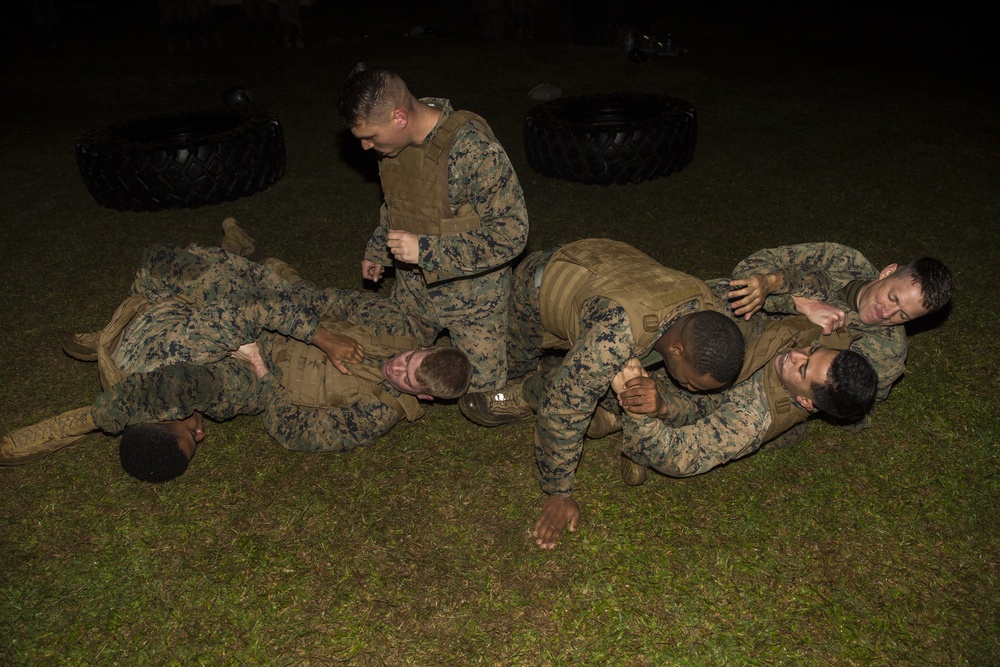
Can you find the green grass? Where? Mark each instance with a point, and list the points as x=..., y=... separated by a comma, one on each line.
x=880, y=548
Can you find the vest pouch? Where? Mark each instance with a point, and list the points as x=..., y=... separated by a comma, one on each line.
x=465, y=220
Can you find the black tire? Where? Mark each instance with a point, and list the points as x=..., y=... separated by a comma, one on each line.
x=610, y=139
x=182, y=160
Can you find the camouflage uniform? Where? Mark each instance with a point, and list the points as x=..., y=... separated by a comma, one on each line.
x=213, y=301
x=565, y=397
x=169, y=380
x=703, y=430
x=469, y=290
x=832, y=273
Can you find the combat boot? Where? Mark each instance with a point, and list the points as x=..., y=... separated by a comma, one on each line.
x=235, y=240
x=82, y=346
x=287, y=273
x=506, y=406
x=633, y=473
x=33, y=442
x=603, y=423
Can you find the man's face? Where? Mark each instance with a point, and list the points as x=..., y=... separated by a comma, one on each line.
x=681, y=369
x=189, y=432
x=400, y=370
x=387, y=139
x=892, y=299
x=799, y=369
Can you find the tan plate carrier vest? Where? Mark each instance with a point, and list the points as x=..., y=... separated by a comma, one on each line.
x=646, y=289
x=777, y=337
x=312, y=380
x=306, y=372
x=415, y=186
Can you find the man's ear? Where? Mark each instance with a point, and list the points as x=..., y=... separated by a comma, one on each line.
x=401, y=118
x=676, y=348
x=888, y=271
x=806, y=403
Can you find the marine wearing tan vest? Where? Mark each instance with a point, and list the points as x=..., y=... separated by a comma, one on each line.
x=774, y=339
x=311, y=380
x=306, y=372
x=647, y=290
x=415, y=185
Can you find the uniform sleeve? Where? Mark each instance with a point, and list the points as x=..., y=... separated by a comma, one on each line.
x=885, y=350
x=481, y=175
x=308, y=429
x=732, y=431
x=810, y=270
x=221, y=391
x=573, y=390
x=377, y=251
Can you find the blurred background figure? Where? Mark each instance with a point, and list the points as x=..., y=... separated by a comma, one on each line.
x=260, y=22
x=291, y=28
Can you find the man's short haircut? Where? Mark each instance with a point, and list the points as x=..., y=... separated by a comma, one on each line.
x=934, y=280
x=849, y=392
x=717, y=345
x=151, y=452
x=369, y=94
x=445, y=373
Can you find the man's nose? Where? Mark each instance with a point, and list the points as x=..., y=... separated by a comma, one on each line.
x=367, y=145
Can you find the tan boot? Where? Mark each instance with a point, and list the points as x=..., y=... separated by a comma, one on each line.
x=235, y=240
x=82, y=346
x=506, y=406
x=603, y=423
x=633, y=473
x=26, y=444
x=286, y=273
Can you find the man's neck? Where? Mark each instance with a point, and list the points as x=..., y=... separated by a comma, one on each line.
x=852, y=291
x=425, y=119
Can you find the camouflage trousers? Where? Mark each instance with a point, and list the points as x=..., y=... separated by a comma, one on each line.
x=201, y=274
x=473, y=312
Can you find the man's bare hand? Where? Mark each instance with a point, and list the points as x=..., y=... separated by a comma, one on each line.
x=556, y=513
x=640, y=396
x=404, y=246
x=340, y=349
x=751, y=292
x=250, y=353
x=637, y=392
x=371, y=271
x=633, y=369
x=821, y=313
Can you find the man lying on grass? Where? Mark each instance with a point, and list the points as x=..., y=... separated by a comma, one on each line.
x=790, y=371
x=834, y=286
x=200, y=335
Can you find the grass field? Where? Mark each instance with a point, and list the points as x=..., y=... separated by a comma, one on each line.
x=880, y=548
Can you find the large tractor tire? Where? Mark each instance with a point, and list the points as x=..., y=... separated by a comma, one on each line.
x=182, y=160
x=610, y=139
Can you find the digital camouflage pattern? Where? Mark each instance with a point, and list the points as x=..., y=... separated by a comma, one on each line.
x=824, y=271
x=567, y=395
x=213, y=301
x=470, y=299
x=171, y=381
x=703, y=430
